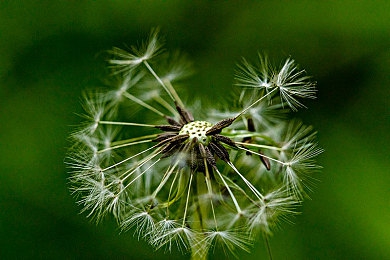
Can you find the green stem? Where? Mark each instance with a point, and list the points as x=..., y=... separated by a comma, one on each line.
x=199, y=251
x=158, y=79
x=268, y=246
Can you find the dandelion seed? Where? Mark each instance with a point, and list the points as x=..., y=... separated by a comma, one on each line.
x=124, y=61
x=229, y=240
x=290, y=82
x=192, y=183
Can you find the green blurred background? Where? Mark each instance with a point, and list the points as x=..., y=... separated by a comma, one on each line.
x=49, y=53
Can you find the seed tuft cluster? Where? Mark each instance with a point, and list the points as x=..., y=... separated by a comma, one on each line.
x=193, y=184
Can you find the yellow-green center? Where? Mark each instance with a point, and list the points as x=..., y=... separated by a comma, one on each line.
x=197, y=129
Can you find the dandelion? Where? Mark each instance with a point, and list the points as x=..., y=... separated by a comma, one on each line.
x=193, y=183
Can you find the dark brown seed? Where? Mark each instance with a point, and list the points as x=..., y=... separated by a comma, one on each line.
x=247, y=139
x=172, y=121
x=186, y=116
x=173, y=128
x=220, y=151
x=179, y=139
x=210, y=158
x=173, y=145
x=202, y=150
x=251, y=128
x=169, y=150
x=265, y=161
x=164, y=136
x=176, y=139
x=225, y=140
x=217, y=128
x=194, y=159
x=251, y=125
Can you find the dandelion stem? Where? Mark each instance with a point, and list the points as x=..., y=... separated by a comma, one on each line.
x=165, y=104
x=248, y=183
x=254, y=103
x=173, y=91
x=260, y=146
x=130, y=171
x=210, y=192
x=230, y=192
x=158, y=79
x=123, y=145
x=187, y=200
x=269, y=158
x=135, y=139
x=136, y=178
x=169, y=200
x=127, y=159
x=140, y=102
x=165, y=178
x=199, y=250
x=124, y=123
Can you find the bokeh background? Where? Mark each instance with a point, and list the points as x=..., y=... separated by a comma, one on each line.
x=49, y=53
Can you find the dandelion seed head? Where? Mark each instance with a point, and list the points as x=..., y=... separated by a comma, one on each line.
x=193, y=179
x=197, y=131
